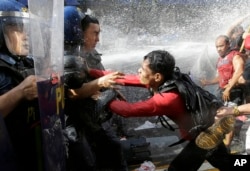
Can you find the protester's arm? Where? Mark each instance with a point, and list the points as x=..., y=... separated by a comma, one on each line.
x=238, y=64
x=126, y=80
x=235, y=24
x=95, y=73
x=240, y=110
x=159, y=104
x=90, y=88
x=25, y=90
x=205, y=82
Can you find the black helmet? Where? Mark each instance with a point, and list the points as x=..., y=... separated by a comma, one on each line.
x=72, y=25
x=13, y=15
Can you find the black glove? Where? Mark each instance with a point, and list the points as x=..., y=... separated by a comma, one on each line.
x=73, y=80
x=74, y=71
x=103, y=114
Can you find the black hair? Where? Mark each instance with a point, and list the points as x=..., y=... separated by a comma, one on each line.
x=238, y=29
x=85, y=22
x=226, y=38
x=236, y=43
x=162, y=62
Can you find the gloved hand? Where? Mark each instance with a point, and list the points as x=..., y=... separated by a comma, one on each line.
x=102, y=114
x=73, y=80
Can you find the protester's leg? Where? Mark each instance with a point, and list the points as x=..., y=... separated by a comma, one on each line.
x=190, y=158
x=219, y=158
x=247, y=142
x=236, y=97
x=228, y=139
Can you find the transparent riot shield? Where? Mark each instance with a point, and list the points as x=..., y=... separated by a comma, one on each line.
x=46, y=48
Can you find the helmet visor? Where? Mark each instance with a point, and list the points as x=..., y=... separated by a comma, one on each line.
x=15, y=31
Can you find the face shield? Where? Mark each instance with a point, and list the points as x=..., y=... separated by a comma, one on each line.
x=15, y=27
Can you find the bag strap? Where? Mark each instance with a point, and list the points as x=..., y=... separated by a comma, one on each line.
x=178, y=142
x=165, y=123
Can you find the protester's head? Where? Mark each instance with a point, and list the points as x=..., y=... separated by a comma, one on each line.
x=14, y=28
x=222, y=45
x=236, y=43
x=157, y=67
x=236, y=37
x=238, y=30
x=91, y=30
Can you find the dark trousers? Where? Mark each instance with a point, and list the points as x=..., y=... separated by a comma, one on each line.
x=101, y=150
x=192, y=157
x=109, y=150
x=81, y=156
x=236, y=95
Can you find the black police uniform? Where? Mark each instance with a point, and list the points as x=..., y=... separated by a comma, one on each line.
x=97, y=145
x=23, y=122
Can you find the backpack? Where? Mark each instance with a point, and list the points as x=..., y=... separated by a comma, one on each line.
x=200, y=103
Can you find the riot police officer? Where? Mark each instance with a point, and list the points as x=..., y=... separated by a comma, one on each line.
x=94, y=145
x=18, y=90
x=80, y=154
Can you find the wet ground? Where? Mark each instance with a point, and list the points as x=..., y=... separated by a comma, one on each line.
x=161, y=154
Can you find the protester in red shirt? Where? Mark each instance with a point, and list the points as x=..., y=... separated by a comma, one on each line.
x=157, y=68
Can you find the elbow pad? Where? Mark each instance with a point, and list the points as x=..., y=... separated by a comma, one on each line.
x=73, y=79
x=75, y=71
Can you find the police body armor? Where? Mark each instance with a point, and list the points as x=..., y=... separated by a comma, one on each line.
x=23, y=123
x=87, y=113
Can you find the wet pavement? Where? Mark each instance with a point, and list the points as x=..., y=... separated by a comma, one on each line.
x=161, y=154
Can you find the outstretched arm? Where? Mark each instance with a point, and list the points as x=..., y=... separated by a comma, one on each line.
x=235, y=24
x=126, y=80
x=240, y=110
x=90, y=88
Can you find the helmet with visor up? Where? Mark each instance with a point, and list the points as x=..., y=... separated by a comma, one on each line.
x=14, y=24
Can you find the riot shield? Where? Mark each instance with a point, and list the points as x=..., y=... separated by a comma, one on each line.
x=46, y=48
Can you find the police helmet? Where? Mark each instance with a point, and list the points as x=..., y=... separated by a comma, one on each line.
x=13, y=15
x=12, y=5
x=71, y=3
x=72, y=25
x=24, y=2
